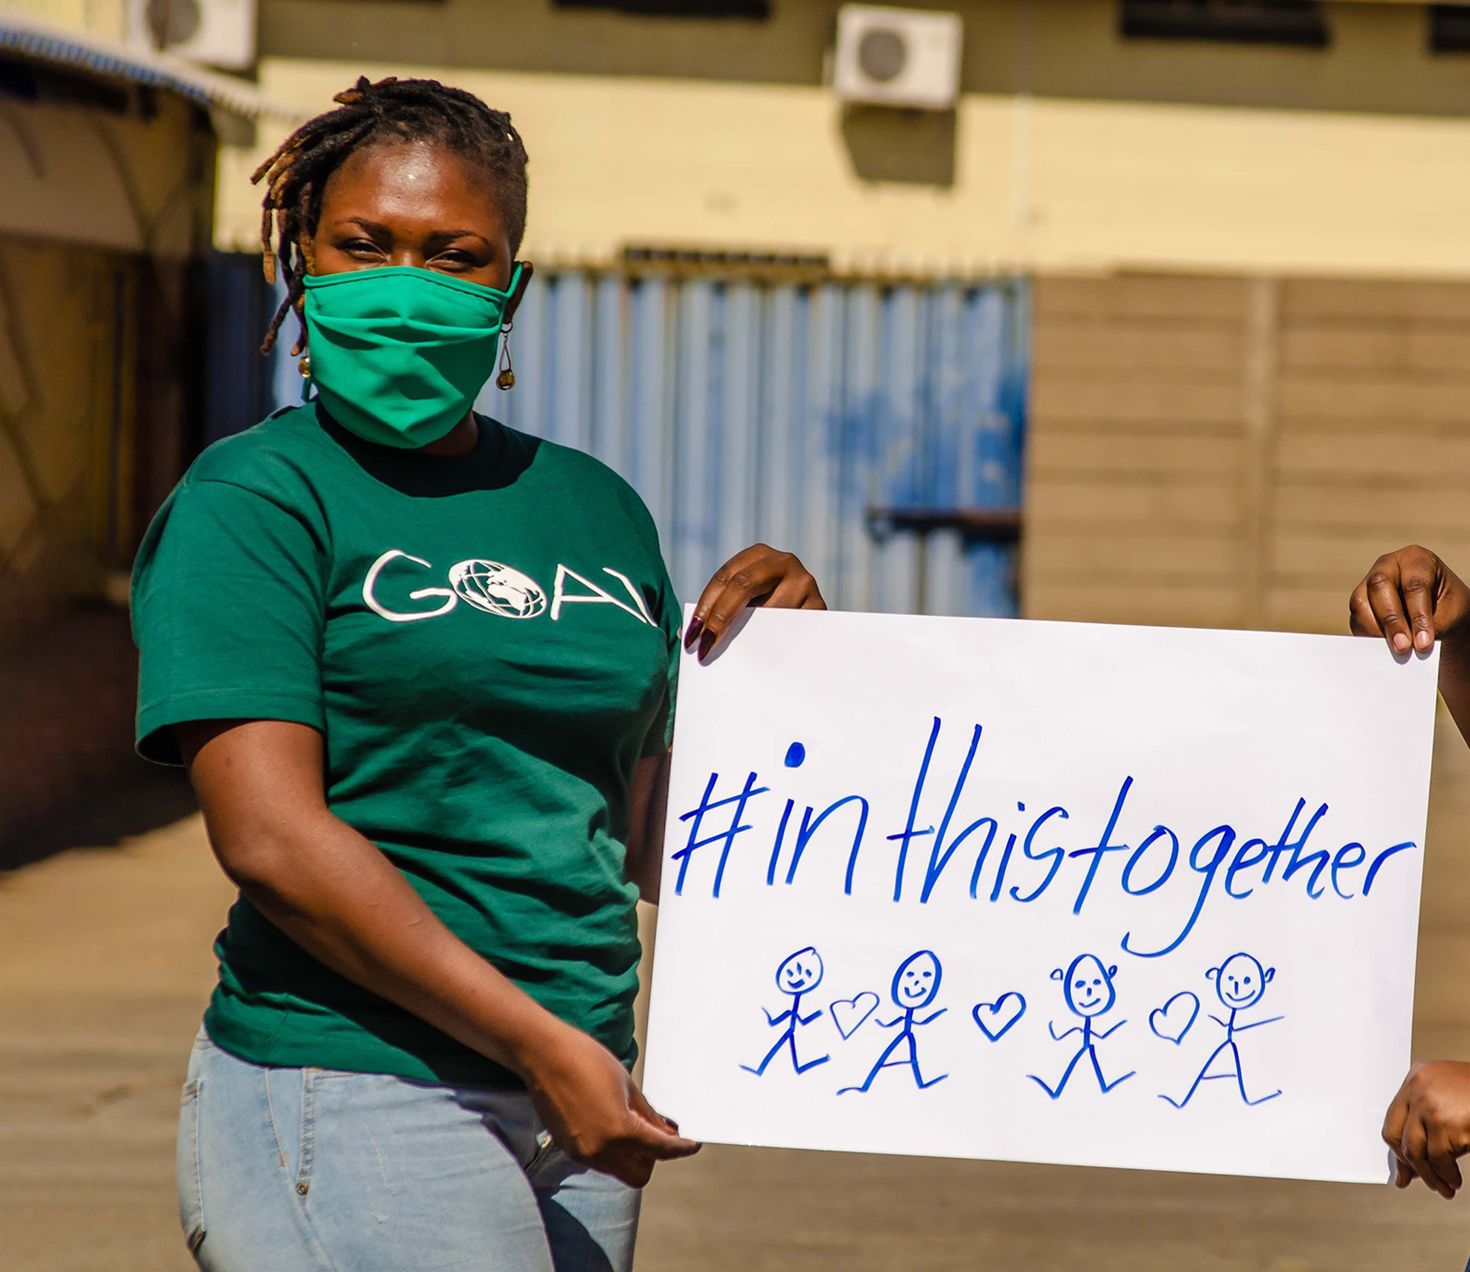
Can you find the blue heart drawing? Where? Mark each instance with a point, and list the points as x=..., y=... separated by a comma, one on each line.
x=1169, y=1022
x=996, y=1019
x=849, y=1013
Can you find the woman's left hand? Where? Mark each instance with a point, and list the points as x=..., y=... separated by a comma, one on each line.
x=760, y=575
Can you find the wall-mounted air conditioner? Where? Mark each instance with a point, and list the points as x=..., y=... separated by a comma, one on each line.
x=219, y=32
x=898, y=57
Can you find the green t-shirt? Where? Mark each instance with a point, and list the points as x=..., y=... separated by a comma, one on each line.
x=487, y=645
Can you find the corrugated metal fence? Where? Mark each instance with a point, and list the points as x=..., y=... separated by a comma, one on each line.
x=874, y=429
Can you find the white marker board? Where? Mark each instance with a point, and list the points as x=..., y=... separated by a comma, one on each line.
x=1153, y=902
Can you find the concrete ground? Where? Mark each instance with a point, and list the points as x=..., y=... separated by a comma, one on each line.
x=105, y=964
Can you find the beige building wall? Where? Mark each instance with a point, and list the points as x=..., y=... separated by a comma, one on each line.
x=104, y=18
x=78, y=173
x=66, y=423
x=102, y=212
x=1071, y=147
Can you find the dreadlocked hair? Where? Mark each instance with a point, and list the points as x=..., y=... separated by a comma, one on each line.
x=389, y=110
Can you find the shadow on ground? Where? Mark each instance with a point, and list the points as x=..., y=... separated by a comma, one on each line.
x=142, y=798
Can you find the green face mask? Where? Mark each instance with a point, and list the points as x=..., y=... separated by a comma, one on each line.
x=398, y=353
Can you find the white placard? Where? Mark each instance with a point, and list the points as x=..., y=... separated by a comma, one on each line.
x=1053, y=892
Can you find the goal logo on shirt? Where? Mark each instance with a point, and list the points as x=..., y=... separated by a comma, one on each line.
x=496, y=588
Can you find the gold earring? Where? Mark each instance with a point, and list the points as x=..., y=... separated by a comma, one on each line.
x=507, y=377
x=304, y=366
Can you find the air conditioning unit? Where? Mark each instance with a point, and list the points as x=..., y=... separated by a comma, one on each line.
x=218, y=32
x=898, y=57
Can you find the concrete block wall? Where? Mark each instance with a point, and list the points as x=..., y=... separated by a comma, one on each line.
x=1372, y=406
x=1236, y=451
x=1136, y=500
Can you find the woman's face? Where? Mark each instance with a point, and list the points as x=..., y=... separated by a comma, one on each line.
x=412, y=203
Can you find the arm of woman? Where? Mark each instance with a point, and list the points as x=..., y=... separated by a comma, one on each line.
x=648, y=806
x=260, y=784
x=1411, y=598
x=1427, y=1126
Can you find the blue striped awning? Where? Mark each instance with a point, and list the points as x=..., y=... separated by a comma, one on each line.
x=36, y=40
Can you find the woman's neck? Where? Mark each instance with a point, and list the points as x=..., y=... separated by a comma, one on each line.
x=460, y=440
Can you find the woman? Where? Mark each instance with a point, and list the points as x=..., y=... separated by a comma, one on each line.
x=1411, y=598
x=421, y=669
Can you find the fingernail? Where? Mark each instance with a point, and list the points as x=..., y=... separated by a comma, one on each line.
x=695, y=627
x=706, y=643
x=1423, y=640
x=1400, y=642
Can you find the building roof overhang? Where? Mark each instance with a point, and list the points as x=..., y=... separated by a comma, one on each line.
x=35, y=39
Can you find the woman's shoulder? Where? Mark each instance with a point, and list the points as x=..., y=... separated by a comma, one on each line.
x=257, y=480
x=272, y=458
x=250, y=493
x=582, y=474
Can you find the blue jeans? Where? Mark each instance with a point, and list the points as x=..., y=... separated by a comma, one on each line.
x=317, y=1170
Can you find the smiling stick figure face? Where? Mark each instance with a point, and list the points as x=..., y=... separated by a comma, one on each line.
x=799, y=972
x=1240, y=981
x=917, y=980
x=1088, y=985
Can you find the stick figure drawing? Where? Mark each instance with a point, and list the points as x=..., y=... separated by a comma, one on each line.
x=799, y=974
x=1088, y=987
x=915, y=984
x=1240, y=983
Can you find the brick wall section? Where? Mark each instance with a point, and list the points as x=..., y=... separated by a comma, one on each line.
x=68, y=689
x=1235, y=452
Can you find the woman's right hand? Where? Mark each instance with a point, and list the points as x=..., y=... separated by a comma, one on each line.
x=1428, y=1125
x=1410, y=598
x=595, y=1113
x=260, y=784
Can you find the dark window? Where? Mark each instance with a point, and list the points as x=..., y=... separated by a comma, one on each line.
x=1449, y=28
x=1241, y=21
x=677, y=8
x=784, y=266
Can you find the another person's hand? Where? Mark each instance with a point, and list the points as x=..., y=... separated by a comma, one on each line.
x=1410, y=598
x=595, y=1113
x=759, y=575
x=1428, y=1125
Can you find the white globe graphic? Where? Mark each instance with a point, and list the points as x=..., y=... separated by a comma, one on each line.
x=497, y=589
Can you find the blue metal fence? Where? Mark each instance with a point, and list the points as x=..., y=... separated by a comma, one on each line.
x=874, y=429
